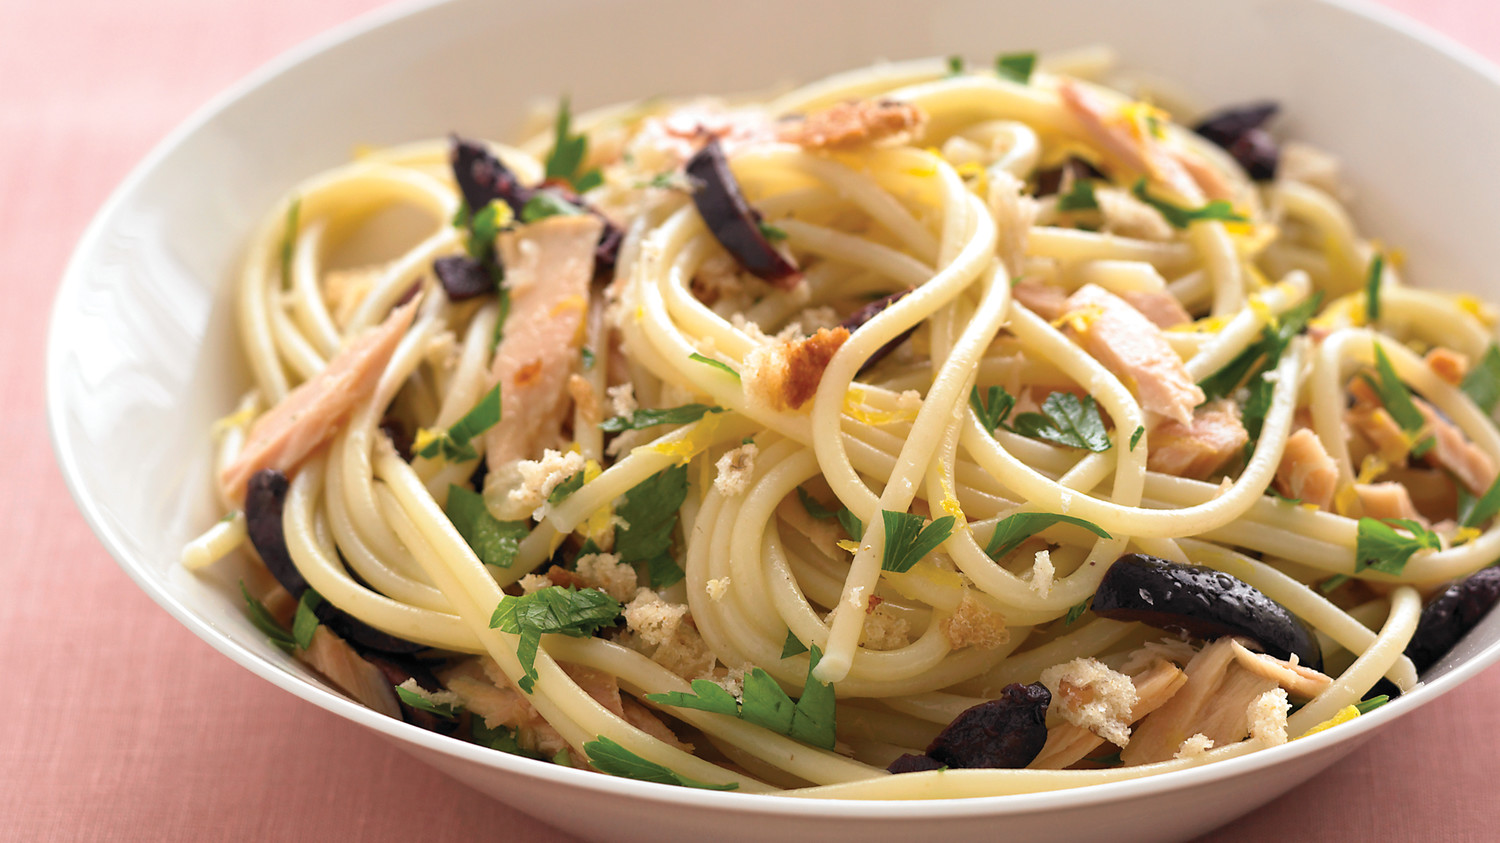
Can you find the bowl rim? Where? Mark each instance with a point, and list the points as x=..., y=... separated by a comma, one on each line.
x=58, y=344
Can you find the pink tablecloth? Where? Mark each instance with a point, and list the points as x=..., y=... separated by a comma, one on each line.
x=119, y=724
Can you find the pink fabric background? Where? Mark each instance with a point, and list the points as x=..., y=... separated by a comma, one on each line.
x=118, y=724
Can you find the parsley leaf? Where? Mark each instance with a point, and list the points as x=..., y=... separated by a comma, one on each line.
x=561, y=491
x=793, y=646
x=454, y=444
x=853, y=527
x=1075, y=613
x=305, y=622
x=1378, y=546
x=809, y=719
x=568, y=153
x=499, y=738
x=261, y=619
x=717, y=364
x=1016, y=67
x=1369, y=705
x=586, y=358
x=1249, y=366
x=609, y=757
x=1015, y=529
x=770, y=232
x=1065, y=420
x=907, y=541
x=545, y=203
x=814, y=507
x=1473, y=512
x=289, y=240
x=1329, y=585
x=1135, y=437
x=421, y=703
x=992, y=409
x=642, y=419
x=495, y=542
x=499, y=334
x=1398, y=401
x=1180, y=217
x=955, y=65
x=650, y=510
x=1372, y=287
x=1482, y=385
x=564, y=611
x=484, y=226
x=1080, y=198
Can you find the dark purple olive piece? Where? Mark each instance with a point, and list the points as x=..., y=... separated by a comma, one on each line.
x=912, y=763
x=463, y=277
x=732, y=221
x=1006, y=733
x=1050, y=180
x=1450, y=617
x=1258, y=153
x=265, y=497
x=1202, y=602
x=401, y=438
x=398, y=670
x=1228, y=125
x=870, y=311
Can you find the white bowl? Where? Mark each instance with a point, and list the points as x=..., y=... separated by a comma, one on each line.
x=140, y=358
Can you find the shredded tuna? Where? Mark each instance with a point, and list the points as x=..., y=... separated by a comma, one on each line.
x=1161, y=307
x=1135, y=350
x=1453, y=451
x=785, y=375
x=1306, y=472
x=1125, y=141
x=1213, y=702
x=1197, y=451
x=1045, y=300
x=1297, y=679
x=313, y=412
x=1385, y=500
x=852, y=124
x=1069, y=743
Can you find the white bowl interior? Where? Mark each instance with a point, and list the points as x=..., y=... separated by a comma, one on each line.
x=141, y=357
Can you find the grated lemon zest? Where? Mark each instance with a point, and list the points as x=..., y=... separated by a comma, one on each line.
x=1344, y=715
x=425, y=436
x=1372, y=467
x=239, y=418
x=1476, y=308
x=696, y=442
x=848, y=544
x=1465, y=535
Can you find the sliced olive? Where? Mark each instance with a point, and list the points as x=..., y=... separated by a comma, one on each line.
x=1239, y=131
x=870, y=311
x=732, y=221
x=1450, y=617
x=1008, y=732
x=1202, y=602
x=463, y=277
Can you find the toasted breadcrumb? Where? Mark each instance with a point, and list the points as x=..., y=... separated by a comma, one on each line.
x=607, y=573
x=622, y=399
x=735, y=469
x=971, y=624
x=717, y=588
x=540, y=477
x=785, y=375
x=532, y=583
x=664, y=632
x=1267, y=716
x=1042, y=572
x=1195, y=746
x=854, y=123
x=1090, y=695
x=885, y=630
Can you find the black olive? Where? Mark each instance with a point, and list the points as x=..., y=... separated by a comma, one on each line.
x=732, y=221
x=868, y=312
x=911, y=763
x=1202, y=602
x=398, y=670
x=1008, y=732
x=1451, y=616
x=1240, y=132
x=463, y=277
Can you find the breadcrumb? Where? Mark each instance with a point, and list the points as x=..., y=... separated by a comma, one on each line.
x=785, y=375
x=1267, y=714
x=447, y=698
x=532, y=583
x=854, y=123
x=665, y=633
x=1090, y=695
x=1042, y=572
x=540, y=477
x=885, y=630
x=622, y=399
x=971, y=624
x=717, y=588
x=607, y=573
x=735, y=470
x=1195, y=746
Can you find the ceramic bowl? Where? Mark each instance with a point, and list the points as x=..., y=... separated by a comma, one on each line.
x=141, y=356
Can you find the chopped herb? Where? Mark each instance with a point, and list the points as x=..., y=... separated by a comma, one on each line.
x=498, y=738
x=485, y=226
x=495, y=542
x=1075, y=613
x=955, y=65
x=992, y=409
x=609, y=757
x=853, y=527
x=642, y=419
x=1372, y=287
x=809, y=719
x=289, y=240
x=907, y=541
x=1271, y=490
x=545, y=203
x=814, y=507
x=1250, y=366
x=262, y=620
x=1135, y=437
x=1015, y=529
x=1080, y=198
x=421, y=703
x=1329, y=585
x=1473, y=512
x=586, y=357
x=650, y=510
x=793, y=646
x=1369, y=705
x=561, y=491
x=1180, y=217
x=1482, y=385
x=1016, y=67
x=1065, y=420
x=717, y=364
x=563, y=758
x=454, y=444
x=1398, y=401
x=563, y=611
x=770, y=232
x=499, y=334
x=568, y=153
x=1378, y=546
x=305, y=621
